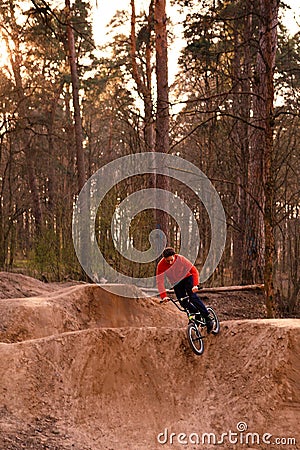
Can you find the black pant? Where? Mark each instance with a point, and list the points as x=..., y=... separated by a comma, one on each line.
x=184, y=288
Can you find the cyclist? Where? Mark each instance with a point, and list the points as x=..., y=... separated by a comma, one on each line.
x=184, y=276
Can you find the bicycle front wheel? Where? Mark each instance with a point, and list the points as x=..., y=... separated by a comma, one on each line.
x=216, y=323
x=195, y=339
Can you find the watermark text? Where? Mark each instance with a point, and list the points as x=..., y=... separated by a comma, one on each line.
x=240, y=436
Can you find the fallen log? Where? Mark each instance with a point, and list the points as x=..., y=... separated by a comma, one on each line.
x=215, y=290
x=246, y=287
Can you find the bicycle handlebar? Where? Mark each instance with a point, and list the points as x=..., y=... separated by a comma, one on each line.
x=171, y=291
x=178, y=301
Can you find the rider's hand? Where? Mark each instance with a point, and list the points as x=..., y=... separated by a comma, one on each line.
x=165, y=300
x=195, y=289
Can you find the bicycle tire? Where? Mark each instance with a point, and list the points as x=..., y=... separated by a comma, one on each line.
x=195, y=338
x=214, y=317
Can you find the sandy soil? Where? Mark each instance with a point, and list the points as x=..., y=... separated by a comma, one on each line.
x=84, y=369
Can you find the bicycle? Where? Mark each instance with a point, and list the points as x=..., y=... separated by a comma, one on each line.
x=197, y=324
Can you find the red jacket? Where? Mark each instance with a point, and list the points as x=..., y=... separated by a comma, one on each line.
x=180, y=269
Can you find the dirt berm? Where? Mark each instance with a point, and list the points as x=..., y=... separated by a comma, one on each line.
x=81, y=369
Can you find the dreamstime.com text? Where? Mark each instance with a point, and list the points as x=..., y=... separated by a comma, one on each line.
x=240, y=436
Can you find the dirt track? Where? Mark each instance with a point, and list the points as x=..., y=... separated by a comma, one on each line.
x=83, y=369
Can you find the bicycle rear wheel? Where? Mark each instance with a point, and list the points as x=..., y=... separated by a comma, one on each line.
x=195, y=338
x=216, y=323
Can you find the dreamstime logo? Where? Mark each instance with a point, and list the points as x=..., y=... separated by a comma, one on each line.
x=85, y=211
x=238, y=437
x=241, y=426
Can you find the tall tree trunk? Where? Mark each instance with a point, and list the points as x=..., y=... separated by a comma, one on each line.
x=245, y=141
x=75, y=92
x=52, y=181
x=149, y=119
x=262, y=147
x=239, y=137
x=254, y=230
x=144, y=88
x=269, y=10
x=84, y=239
x=242, y=254
x=162, y=112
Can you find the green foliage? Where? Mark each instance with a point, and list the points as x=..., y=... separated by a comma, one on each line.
x=52, y=258
x=45, y=259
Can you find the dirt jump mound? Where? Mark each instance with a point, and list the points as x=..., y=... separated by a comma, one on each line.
x=86, y=369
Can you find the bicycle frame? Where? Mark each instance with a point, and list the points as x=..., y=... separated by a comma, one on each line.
x=191, y=315
x=196, y=323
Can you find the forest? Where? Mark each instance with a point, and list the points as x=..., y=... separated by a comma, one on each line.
x=69, y=107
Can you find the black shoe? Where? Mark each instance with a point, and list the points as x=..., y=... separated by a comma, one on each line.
x=209, y=325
